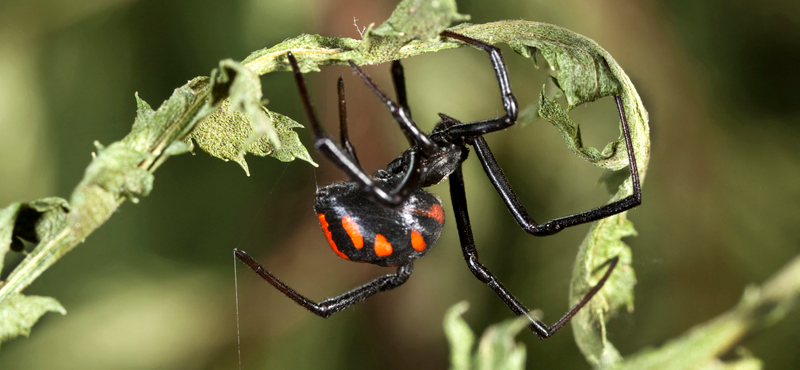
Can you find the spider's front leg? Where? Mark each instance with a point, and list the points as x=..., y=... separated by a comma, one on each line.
x=472, y=129
x=399, y=111
x=333, y=305
x=501, y=184
x=345, y=160
x=471, y=132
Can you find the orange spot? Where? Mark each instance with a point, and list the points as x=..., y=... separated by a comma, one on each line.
x=382, y=246
x=353, y=231
x=417, y=242
x=437, y=212
x=328, y=235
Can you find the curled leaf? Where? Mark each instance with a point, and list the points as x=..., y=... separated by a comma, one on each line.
x=30, y=222
x=571, y=132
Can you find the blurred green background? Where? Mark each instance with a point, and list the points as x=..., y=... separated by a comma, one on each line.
x=154, y=287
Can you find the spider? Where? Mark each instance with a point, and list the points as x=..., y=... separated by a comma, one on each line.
x=387, y=218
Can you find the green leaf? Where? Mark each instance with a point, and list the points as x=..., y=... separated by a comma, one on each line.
x=227, y=134
x=30, y=222
x=115, y=168
x=601, y=244
x=459, y=336
x=571, y=132
x=154, y=130
x=701, y=346
x=8, y=218
x=48, y=218
x=412, y=20
x=497, y=349
x=243, y=89
x=291, y=148
x=18, y=313
x=311, y=51
x=411, y=26
x=242, y=124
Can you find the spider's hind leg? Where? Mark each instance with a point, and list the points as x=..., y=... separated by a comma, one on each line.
x=333, y=305
x=458, y=195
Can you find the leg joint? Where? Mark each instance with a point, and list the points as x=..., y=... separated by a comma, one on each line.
x=479, y=270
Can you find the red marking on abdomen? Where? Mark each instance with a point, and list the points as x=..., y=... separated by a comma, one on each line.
x=382, y=246
x=437, y=212
x=353, y=231
x=328, y=235
x=417, y=241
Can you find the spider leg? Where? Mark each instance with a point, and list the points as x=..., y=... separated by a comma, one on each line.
x=399, y=80
x=344, y=138
x=400, y=112
x=325, y=145
x=482, y=273
x=333, y=305
x=501, y=184
x=478, y=128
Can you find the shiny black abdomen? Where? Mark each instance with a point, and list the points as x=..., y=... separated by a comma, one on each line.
x=360, y=230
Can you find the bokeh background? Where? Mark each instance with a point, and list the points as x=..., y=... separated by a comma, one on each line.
x=154, y=287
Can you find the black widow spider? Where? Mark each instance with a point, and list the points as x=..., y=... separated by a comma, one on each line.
x=388, y=220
